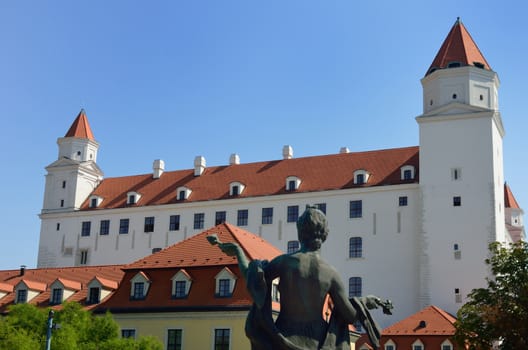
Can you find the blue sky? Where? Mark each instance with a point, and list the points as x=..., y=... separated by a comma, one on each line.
x=176, y=79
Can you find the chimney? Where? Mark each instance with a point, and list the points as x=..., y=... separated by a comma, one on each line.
x=22, y=270
x=287, y=152
x=344, y=150
x=157, y=168
x=234, y=159
x=199, y=165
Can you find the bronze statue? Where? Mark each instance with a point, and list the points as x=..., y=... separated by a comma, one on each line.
x=305, y=282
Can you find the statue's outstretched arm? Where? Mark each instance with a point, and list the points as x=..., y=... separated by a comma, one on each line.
x=232, y=249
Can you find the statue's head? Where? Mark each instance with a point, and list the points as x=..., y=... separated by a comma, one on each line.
x=312, y=228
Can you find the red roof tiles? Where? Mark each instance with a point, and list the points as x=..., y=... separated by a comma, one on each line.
x=318, y=173
x=202, y=262
x=70, y=277
x=458, y=47
x=429, y=321
x=80, y=127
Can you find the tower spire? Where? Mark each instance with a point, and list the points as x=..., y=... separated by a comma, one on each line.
x=80, y=127
x=459, y=49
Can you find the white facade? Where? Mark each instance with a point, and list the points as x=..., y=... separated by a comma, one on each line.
x=420, y=243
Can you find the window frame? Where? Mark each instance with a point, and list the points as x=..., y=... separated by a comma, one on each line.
x=104, y=227
x=220, y=217
x=174, y=222
x=355, y=209
x=222, y=339
x=355, y=247
x=175, y=342
x=124, y=225
x=86, y=227
x=56, y=296
x=292, y=247
x=267, y=216
x=199, y=221
x=403, y=201
x=150, y=221
x=355, y=286
x=242, y=217
x=292, y=213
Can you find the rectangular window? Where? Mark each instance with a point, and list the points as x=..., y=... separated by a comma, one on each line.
x=83, y=257
x=174, y=223
x=234, y=190
x=360, y=179
x=174, y=339
x=407, y=174
x=355, y=247
x=389, y=347
x=267, y=216
x=224, y=287
x=128, y=333
x=199, y=219
x=123, y=226
x=293, y=213
x=93, y=297
x=104, y=227
x=85, y=228
x=179, y=289
x=356, y=209
x=149, y=224
x=293, y=246
x=292, y=185
x=94, y=203
x=402, y=201
x=62, y=203
x=221, y=341
x=139, y=289
x=354, y=287
x=220, y=217
x=21, y=296
x=457, y=201
x=242, y=217
x=456, y=174
x=63, y=184
x=58, y=226
x=56, y=296
x=321, y=207
x=132, y=199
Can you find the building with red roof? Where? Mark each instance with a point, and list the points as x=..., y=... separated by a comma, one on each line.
x=189, y=293
x=410, y=223
x=429, y=328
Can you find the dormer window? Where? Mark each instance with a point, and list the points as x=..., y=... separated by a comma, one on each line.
x=26, y=291
x=236, y=188
x=183, y=193
x=139, y=286
x=95, y=201
x=407, y=172
x=99, y=288
x=292, y=183
x=133, y=198
x=225, y=283
x=390, y=345
x=361, y=177
x=62, y=289
x=418, y=345
x=181, y=284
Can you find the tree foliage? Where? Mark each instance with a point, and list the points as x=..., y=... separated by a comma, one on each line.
x=25, y=327
x=498, y=314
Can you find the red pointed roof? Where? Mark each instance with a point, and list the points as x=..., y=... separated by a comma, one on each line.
x=509, y=199
x=435, y=322
x=458, y=47
x=80, y=127
x=197, y=251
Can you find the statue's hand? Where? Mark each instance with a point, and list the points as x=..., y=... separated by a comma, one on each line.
x=229, y=249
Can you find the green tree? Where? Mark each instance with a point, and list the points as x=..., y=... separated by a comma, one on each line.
x=25, y=327
x=498, y=314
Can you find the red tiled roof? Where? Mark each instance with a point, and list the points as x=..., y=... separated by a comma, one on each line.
x=197, y=251
x=80, y=127
x=436, y=322
x=5, y=287
x=42, y=278
x=106, y=283
x=459, y=47
x=68, y=284
x=202, y=262
x=317, y=173
x=509, y=199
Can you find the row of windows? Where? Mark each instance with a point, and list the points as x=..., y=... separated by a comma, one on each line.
x=57, y=296
x=416, y=345
x=222, y=338
x=198, y=222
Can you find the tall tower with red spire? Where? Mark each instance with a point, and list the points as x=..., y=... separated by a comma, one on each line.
x=461, y=171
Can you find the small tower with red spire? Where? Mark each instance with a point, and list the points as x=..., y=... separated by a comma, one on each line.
x=74, y=175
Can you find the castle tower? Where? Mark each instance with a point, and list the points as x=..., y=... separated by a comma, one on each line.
x=74, y=175
x=461, y=171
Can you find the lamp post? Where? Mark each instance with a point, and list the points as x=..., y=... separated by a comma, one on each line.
x=49, y=328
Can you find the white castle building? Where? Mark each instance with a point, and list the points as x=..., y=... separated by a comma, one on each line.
x=411, y=224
